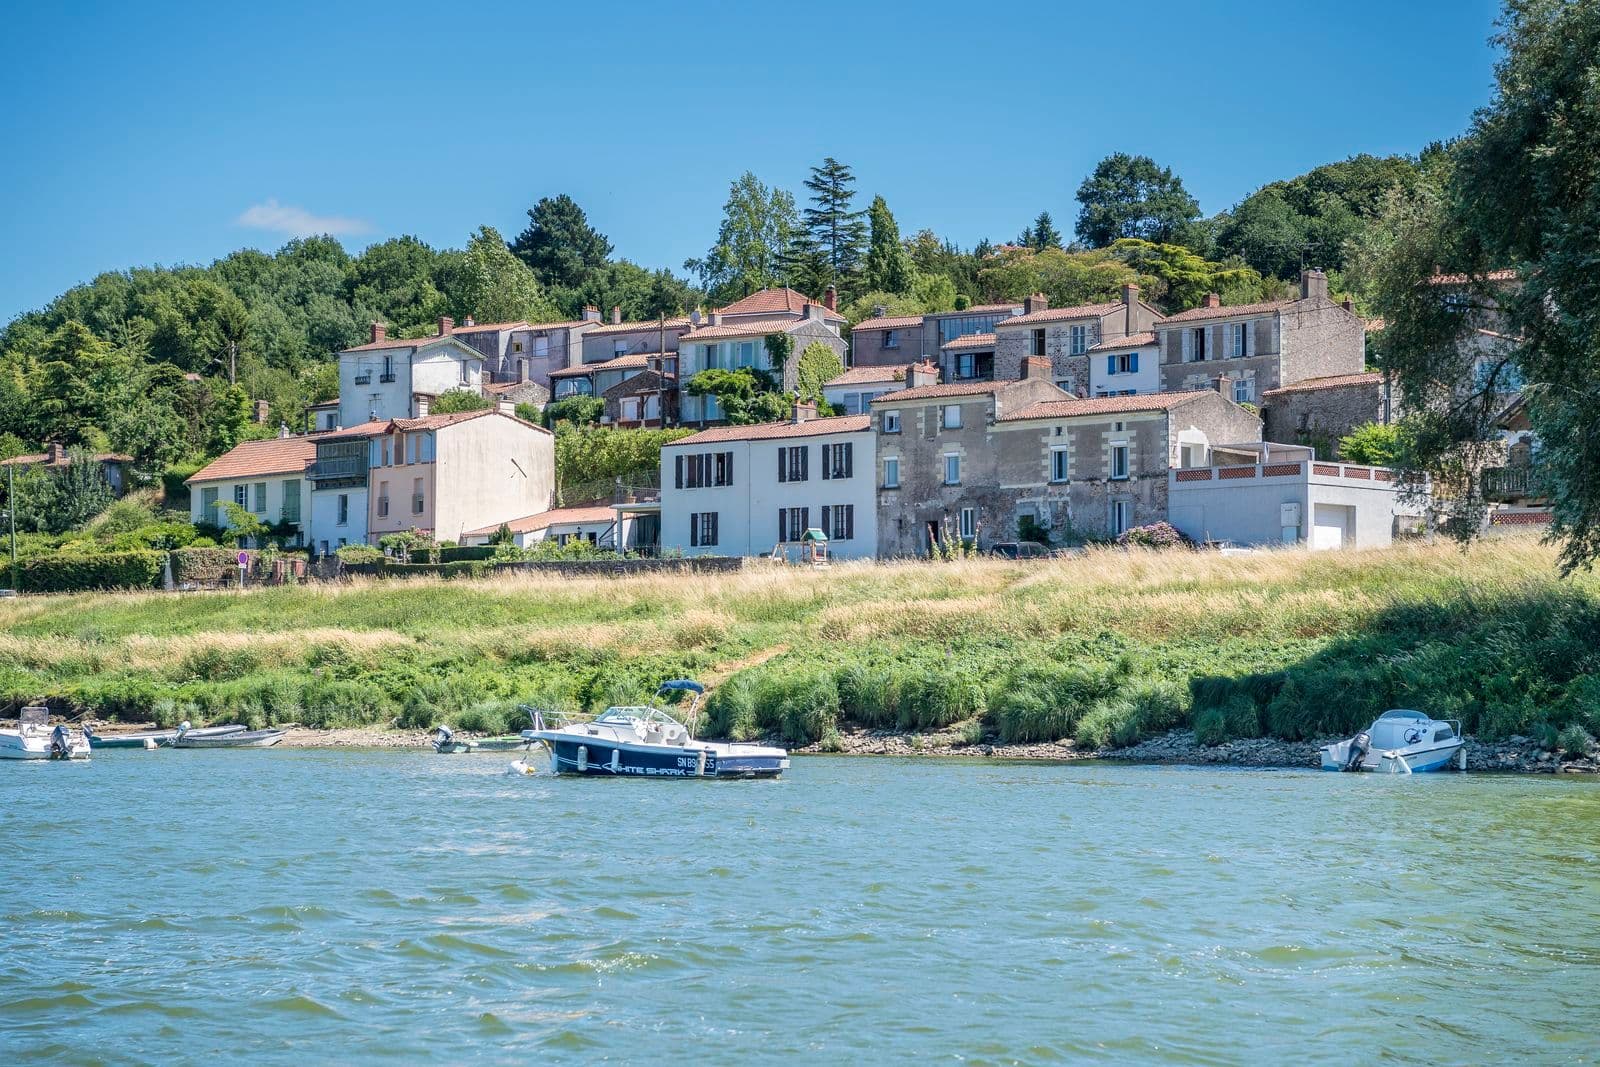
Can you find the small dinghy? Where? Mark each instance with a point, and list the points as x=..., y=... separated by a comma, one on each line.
x=231, y=738
x=35, y=738
x=646, y=742
x=1400, y=742
x=446, y=743
x=136, y=739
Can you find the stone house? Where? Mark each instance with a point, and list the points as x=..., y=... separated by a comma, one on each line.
x=938, y=469
x=742, y=344
x=1317, y=412
x=637, y=400
x=1260, y=347
x=1067, y=336
x=616, y=339
x=527, y=352
x=881, y=339
x=56, y=457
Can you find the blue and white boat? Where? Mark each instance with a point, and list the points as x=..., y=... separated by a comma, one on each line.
x=1400, y=742
x=646, y=742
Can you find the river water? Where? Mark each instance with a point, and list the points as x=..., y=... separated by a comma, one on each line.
x=353, y=906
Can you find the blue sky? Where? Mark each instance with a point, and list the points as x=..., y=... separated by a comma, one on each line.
x=175, y=133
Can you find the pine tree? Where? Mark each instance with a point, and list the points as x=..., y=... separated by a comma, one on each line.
x=1044, y=233
x=836, y=230
x=888, y=268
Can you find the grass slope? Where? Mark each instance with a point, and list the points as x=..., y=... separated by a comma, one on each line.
x=1106, y=648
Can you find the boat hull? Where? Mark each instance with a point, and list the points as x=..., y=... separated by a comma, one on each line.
x=39, y=748
x=245, y=739
x=597, y=757
x=1433, y=758
x=139, y=740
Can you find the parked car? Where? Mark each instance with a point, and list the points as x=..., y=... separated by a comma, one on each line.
x=1021, y=550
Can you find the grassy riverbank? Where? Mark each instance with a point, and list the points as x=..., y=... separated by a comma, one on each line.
x=1105, y=648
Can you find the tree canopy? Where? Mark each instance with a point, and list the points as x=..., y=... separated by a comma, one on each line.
x=1132, y=196
x=559, y=245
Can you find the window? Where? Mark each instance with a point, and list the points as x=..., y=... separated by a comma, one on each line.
x=619, y=348
x=1197, y=344
x=969, y=523
x=1244, y=390
x=703, y=529
x=1058, y=464
x=383, y=499
x=388, y=369
x=516, y=346
x=208, y=505
x=1036, y=343
x=890, y=422
x=261, y=498
x=838, y=461
x=1193, y=455
x=891, y=338
x=703, y=469
x=950, y=416
x=541, y=346
x=1119, y=463
x=952, y=469
x=1123, y=363
x=1080, y=340
x=839, y=522
x=1121, y=515
x=629, y=409
x=416, y=496
x=1238, y=340
x=291, y=500
x=466, y=372
x=344, y=510
x=891, y=472
x=793, y=523
x=793, y=463
x=747, y=353
x=722, y=469
x=241, y=495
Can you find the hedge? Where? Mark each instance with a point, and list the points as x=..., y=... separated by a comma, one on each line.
x=66, y=573
x=204, y=564
x=466, y=552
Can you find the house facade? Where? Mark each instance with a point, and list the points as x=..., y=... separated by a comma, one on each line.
x=561, y=525
x=451, y=474
x=337, y=484
x=1319, y=412
x=743, y=490
x=739, y=344
x=1067, y=336
x=266, y=478
x=1261, y=347
x=616, y=339
x=852, y=392
x=56, y=457
x=384, y=378
x=1125, y=366
x=528, y=352
x=882, y=339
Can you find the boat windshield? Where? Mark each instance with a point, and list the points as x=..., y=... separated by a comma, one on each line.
x=1399, y=713
x=630, y=713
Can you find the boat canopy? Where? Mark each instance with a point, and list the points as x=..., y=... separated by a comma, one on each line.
x=34, y=717
x=683, y=684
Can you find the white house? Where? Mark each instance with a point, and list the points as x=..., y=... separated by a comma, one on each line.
x=337, y=478
x=740, y=490
x=592, y=524
x=1127, y=366
x=853, y=392
x=384, y=378
x=266, y=478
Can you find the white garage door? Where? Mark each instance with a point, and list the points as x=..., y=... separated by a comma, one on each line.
x=1330, y=524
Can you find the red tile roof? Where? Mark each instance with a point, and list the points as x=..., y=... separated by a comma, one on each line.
x=1105, y=405
x=1084, y=311
x=888, y=322
x=1463, y=279
x=546, y=519
x=628, y=362
x=870, y=375
x=776, y=302
x=746, y=328
x=681, y=322
x=1199, y=313
x=1137, y=340
x=1332, y=381
x=364, y=429
x=935, y=392
x=480, y=327
x=397, y=342
x=766, y=431
x=971, y=340
x=257, y=459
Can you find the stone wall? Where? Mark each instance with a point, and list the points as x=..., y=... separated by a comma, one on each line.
x=1319, y=417
x=1320, y=339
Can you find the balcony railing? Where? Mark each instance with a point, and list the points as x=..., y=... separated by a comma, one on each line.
x=363, y=379
x=1503, y=484
x=324, y=470
x=386, y=378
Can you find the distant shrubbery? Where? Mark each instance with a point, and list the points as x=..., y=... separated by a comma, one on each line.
x=1155, y=535
x=71, y=572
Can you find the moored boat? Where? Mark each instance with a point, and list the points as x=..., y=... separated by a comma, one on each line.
x=646, y=742
x=136, y=739
x=446, y=743
x=35, y=738
x=1400, y=741
x=240, y=738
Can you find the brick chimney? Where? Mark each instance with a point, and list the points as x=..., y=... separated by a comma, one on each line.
x=1313, y=285
x=1349, y=305
x=55, y=453
x=616, y=314
x=715, y=318
x=446, y=325
x=830, y=298
x=1036, y=302
x=1130, y=309
x=924, y=373
x=1037, y=368
x=804, y=410
x=1213, y=300
x=380, y=332
x=591, y=313
x=262, y=412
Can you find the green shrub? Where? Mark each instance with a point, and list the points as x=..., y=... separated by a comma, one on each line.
x=204, y=565
x=333, y=702
x=730, y=711
x=1044, y=701
x=470, y=552
x=935, y=698
x=219, y=663
x=356, y=555
x=1575, y=740
x=1236, y=717
x=71, y=573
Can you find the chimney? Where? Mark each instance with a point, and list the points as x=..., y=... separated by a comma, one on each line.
x=468, y=321
x=446, y=324
x=1130, y=309
x=1349, y=305
x=879, y=310
x=804, y=410
x=506, y=406
x=716, y=318
x=591, y=313
x=1223, y=385
x=1036, y=302
x=616, y=314
x=830, y=298
x=262, y=411
x=924, y=373
x=379, y=332
x=1212, y=301
x=815, y=311
x=421, y=402
x=55, y=453
x=283, y=430
x=1314, y=286
x=1037, y=368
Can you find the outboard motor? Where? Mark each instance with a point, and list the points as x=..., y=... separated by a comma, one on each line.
x=441, y=737
x=60, y=743
x=1360, y=745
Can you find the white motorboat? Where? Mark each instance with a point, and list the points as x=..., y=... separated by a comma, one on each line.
x=646, y=742
x=35, y=738
x=188, y=738
x=1400, y=741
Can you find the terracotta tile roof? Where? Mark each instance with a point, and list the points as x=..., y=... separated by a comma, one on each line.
x=767, y=431
x=546, y=519
x=1463, y=279
x=1105, y=405
x=1199, y=313
x=971, y=340
x=1332, y=381
x=681, y=322
x=439, y=422
x=364, y=429
x=935, y=392
x=776, y=302
x=397, y=342
x=871, y=375
x=257, y=459
x=635, y=359
x=888, y=322
x=1083, y=311
x=1137, y=340
x=480, y=327
x=747, y=328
